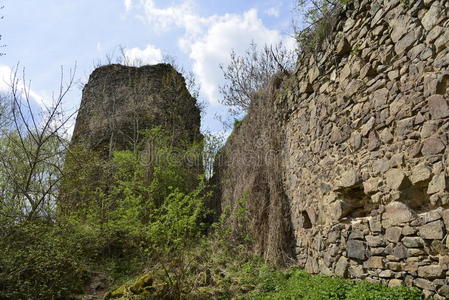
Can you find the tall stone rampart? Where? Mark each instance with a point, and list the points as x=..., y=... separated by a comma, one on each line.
x=359, y=134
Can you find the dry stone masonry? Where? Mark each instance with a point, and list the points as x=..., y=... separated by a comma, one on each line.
x=362, y=131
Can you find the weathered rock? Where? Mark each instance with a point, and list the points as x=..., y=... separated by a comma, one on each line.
x=371, y=186
x=375, y=241
x=432, y=230
x=393, y=234
x=356, y=271
x=444, y=291
x=432, y=146
x=313, y=74
x=431, y=272
x=437, y=184
x=349, y=178
x=420, y=173
x=400, y=25
x=395, y=282
x=400, y=251
x=356, y=249
x=341, y=267
x=408, y=230
x=380, y=98
x=376, y=225
x=430, y=19
x=395, y=178
x=374, y=262
x=431, y=216
x=356, y=235
x=312, y=265
x=343, y=47
x=386, y=274
x=396, y=213
x=424, y=284
x=412, y=242
x=438, y=107
x=406, y=42
x=445, y=215
x=414, y=252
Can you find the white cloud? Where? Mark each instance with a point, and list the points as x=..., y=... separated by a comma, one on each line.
x=138, y=57
x=231, y=32
x=6, y=80
x=209, y=40
x=128, y=4
x=273, y=12
x=181, y=15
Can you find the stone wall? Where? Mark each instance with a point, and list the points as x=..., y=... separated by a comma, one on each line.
x=393, y=246
x=363, y=136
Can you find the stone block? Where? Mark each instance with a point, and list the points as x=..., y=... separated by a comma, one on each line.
x=374, y=262
x=396, y=213
x=400, y=251
x=375, y=241
x=376, y=225
x=341, y=267
x=432, y=146
x=343, y=47
x=393, y=234
x=356, y=249
x=420, y=173
x=437, y=184
x=430, y=19
x=438, y=107
x=432, y=230
x=424, y=284
x=395, y=282
x=412, y=242
x=395, y=178
x=431, y=272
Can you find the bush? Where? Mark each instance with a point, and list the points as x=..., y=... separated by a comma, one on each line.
x=319, y=17
x=40, y=261
x=139, y=211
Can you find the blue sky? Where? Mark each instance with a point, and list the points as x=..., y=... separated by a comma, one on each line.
x=44, y=35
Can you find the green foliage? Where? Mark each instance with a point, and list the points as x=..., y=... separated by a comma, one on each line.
x=355, y=51
x=319, y=17
x=297, y=284
x=40, y=261
x=237, y=122
x=138, y=209
x=405, y=3
x=177, y=223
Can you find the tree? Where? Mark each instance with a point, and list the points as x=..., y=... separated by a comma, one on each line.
x=246, y=74
x=32, y=149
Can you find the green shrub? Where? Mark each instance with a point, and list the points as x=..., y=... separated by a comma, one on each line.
x=40, y=261
x=297, y=284
x=132, y=211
